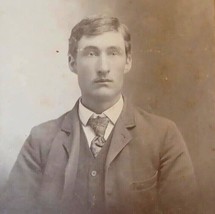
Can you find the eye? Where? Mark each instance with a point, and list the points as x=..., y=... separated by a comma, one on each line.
x=114, y=52
x=91, y=53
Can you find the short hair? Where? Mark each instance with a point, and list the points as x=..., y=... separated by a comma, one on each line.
x=96, y=25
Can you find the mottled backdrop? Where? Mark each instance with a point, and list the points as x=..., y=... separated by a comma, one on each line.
x=172, y=75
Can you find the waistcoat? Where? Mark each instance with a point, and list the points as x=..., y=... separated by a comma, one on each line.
x=88, y=195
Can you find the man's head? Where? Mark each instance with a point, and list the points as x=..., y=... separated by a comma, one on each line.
x=96, y=25
x=100, y=54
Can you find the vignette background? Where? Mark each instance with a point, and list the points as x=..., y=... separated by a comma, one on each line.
x=172, y=73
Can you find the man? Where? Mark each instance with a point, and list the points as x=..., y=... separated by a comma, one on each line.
x=104, y=156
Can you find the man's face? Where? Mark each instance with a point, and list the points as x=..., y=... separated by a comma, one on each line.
x=100, y=64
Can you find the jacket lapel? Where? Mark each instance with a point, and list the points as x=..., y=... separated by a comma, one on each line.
x=61, y=167
x=121, y=134
x=71, y=126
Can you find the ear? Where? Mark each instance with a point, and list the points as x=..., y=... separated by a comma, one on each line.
x=72, y=63
x=128, y=64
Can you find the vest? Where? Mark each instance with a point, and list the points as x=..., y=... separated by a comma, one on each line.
x=88, y=195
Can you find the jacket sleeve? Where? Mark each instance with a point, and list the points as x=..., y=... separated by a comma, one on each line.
x=23, y=183
x=177, y=187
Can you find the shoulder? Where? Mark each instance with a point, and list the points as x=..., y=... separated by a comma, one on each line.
x=146, y=124
x=160, y=130
x=152, y=121
x=40, y=140
x=49, y=128
x=157, y=130
x=41, y=136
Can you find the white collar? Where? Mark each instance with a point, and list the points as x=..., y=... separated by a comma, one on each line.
x=112, y=113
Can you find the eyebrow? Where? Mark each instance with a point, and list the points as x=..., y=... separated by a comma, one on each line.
x=87, y=48
x=96, y=48
x=117, y=48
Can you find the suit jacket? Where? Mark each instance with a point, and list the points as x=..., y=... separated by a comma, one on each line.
x=148, y=168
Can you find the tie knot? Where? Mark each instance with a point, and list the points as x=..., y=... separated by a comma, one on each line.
x=99, y=125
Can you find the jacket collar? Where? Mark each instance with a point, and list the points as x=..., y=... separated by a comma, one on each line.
x=121, y=133
x=71, y=127
x=125, y=121
x=70, y=117
x=127, y=116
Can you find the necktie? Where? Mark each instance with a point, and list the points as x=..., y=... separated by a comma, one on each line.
x=99, y=125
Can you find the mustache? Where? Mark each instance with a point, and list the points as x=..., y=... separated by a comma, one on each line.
x=98, y=80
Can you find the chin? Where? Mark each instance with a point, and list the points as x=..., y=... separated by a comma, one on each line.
x=106, y=96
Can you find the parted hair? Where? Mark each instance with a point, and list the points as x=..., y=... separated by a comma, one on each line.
x=95, y=25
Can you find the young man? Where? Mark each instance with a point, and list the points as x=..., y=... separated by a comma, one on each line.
x=104, y=156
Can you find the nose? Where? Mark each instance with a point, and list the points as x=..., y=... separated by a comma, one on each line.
x=103, y=64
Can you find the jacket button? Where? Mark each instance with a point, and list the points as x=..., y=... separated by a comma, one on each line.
x=93, y=173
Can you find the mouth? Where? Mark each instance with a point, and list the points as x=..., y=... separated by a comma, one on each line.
x=102, y=80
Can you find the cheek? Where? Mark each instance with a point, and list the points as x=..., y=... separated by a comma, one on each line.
x=118, y=69
x=86, y=72
x=118, y=64
x=86, y=63
x=84, y=78
x=118, y=79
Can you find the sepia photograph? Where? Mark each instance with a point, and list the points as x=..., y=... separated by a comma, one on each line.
x=107, y=107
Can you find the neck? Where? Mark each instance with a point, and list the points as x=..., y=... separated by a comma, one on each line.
x=99, y=106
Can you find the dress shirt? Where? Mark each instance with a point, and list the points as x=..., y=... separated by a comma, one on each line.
x=112, y=113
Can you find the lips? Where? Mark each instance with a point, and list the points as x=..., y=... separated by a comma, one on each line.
x=102, y=80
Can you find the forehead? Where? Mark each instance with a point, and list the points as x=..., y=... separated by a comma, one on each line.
x=104, y=40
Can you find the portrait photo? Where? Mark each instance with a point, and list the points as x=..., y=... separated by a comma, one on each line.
x=107, y=107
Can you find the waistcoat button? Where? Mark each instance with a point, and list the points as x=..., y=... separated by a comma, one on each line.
x=93, y=173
